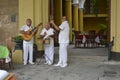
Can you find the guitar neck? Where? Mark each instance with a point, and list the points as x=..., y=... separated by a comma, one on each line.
x=35, y=28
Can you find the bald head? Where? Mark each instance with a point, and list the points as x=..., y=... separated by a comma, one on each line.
x=47, y=25
x=28, y=22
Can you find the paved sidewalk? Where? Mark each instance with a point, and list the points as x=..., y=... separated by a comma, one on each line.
x=84, y=64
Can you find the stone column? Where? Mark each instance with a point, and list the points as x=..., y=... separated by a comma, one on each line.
x=81, y=19
x=75, y=17
x=68, y=13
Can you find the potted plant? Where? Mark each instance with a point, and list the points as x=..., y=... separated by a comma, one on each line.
x=19, y=42
x=104, y=27
x=17, y=39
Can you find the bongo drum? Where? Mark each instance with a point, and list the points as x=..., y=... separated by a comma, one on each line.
x=47, y=41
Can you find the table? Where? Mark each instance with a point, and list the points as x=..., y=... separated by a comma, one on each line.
x=4, y=56
x=4, y=52
x=86, y=39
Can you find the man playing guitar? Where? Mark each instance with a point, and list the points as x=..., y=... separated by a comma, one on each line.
x=26, y=30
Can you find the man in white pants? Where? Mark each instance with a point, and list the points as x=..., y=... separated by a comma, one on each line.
x=63, y=41
x=27, y=45
x=46, y=33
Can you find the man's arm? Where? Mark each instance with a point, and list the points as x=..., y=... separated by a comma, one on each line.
x=43, y=34
x=22, y=31
x=55, y=26
x=51, y=36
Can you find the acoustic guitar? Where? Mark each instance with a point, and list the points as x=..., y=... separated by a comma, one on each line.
x=27, y=36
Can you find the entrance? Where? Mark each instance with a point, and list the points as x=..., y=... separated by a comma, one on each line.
x=93, y=18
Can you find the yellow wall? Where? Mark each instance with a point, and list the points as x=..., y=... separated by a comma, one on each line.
x=92, y=23
x=115, y=24
x=25, y=11
x=37, y=10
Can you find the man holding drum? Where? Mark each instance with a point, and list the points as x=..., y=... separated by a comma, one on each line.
x=47, y=35
x=63, y=41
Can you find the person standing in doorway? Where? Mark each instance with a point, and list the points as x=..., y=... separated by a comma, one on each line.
x=63, y=41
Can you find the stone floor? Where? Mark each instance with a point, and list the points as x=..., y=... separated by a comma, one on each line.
x=84, y=64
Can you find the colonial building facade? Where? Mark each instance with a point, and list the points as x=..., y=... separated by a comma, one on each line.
x=43, y=10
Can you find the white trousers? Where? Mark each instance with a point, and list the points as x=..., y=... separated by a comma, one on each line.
x=28, y=49
x=49, y=52
x=63, y=53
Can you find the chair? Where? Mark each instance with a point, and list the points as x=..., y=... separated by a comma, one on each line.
x=88, y=40
x=92, y=35
x=2, y=63
x=10, y=46
x=76, y=38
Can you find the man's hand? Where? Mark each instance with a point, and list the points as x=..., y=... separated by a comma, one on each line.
x=24, y=32
x=28, y=32
x=52, y=21
x=55, y=26
x=40, y=24
x=45, y=33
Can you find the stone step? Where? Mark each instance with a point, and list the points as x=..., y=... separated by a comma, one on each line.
x=90, y=58
x=112, y=62
x=109, y=78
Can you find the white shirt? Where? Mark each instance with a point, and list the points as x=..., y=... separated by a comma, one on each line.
x=48, y=32
x=26, y=28
x=64, y=32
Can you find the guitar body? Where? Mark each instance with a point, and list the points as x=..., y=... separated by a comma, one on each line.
x=28, y=37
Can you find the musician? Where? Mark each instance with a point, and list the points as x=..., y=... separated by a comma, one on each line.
x=27, y=45
x=48, y=33
x=63, y=41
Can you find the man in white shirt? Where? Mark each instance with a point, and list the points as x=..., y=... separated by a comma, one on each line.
x=48, y=33
x=27, y=45
x=63, y=41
